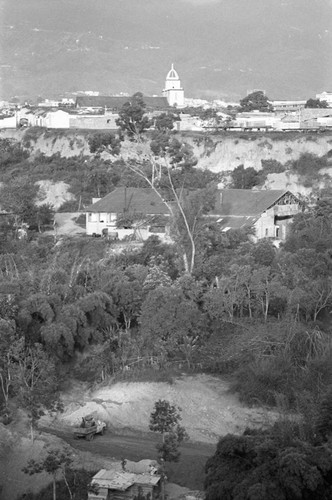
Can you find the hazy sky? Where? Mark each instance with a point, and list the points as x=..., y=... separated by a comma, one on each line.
x=221, y=48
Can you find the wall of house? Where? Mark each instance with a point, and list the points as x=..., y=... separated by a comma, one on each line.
x=265, y=227
x=268, y=226
x=57, y=119
x=95, y=223
x=96, y=122
x=102, y=494
x=8, y=122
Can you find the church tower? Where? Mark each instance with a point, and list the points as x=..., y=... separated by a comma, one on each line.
x=173, y=90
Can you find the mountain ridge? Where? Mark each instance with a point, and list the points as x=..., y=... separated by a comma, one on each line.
x=220, y=51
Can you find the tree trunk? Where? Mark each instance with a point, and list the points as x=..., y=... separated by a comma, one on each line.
x=54, y=488
x=31, y=432
x=68, y=488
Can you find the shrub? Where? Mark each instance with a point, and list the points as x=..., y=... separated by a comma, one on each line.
x=260, y=381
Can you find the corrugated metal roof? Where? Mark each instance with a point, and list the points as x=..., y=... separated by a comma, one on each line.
x=121, y=481
x=137, y=200
x=116, y=102
x=245, y=202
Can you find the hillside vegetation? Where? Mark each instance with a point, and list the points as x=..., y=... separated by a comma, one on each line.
x=86, y=309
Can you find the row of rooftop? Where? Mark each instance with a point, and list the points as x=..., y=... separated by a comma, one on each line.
x=101, y=112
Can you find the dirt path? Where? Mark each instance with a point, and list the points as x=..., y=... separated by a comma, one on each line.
x=66, y=223
x=188, y=472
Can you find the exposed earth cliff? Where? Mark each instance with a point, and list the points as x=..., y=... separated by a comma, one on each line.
x=220, y=153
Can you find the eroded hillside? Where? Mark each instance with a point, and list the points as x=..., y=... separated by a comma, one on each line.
x=220, y=153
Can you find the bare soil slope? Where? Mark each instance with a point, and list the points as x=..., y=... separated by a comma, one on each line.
x=209, y=410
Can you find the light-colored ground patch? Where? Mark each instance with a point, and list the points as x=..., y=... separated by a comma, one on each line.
x=66, y=225
x=209, y=410
x=54, y=193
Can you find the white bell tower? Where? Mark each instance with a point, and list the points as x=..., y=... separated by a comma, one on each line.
x=173, y=90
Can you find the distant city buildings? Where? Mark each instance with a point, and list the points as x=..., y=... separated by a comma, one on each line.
x=287, y=105
x=87, y=109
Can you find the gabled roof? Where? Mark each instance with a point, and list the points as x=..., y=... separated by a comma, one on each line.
x=115, y=103
x=132, y=200
x=245, y=202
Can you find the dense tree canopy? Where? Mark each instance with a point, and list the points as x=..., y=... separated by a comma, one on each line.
x=316, y=103
x=256, y=101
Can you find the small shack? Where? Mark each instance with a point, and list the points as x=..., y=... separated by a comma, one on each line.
x=124, y=485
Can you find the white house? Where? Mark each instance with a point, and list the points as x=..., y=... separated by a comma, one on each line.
x=134, y=212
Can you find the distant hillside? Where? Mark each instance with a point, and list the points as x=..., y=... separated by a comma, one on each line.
x=220, y=48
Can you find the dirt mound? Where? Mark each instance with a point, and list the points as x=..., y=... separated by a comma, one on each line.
x=209, y=410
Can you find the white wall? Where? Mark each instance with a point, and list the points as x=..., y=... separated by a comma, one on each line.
x=57, y=119
x=9, y=122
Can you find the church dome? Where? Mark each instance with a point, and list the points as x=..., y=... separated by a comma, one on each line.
x=172, y=74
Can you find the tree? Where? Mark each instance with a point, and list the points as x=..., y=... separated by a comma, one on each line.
x=44, y=216
x=273, y=464
x=256, y=101
x=316, y=103
x=57, y=462
x=18, y=198
x=160, y=159
x=245, y=178
x=8, y=347
x=165, y=122
x=104, y=141
x=132, y=118
x=36, y=383
x=176, y=327
x=324, y=421
x=165, y=420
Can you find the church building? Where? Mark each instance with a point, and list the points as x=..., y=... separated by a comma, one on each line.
x=173, y=90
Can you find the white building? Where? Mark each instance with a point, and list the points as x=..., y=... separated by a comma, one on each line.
x=325, y=96
x=134, y=212
x=173, y=90
x=288, y=106
x=56, y=119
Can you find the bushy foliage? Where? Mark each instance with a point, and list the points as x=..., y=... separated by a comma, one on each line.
x=78, y=481
x=256, y=101
x=244, y=178
x=133, y=120
x=316, y=103
x=165, y=419
x=269, y=464
x=104, y=141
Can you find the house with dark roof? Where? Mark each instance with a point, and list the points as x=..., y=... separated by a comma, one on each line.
x=135, y=212
x=269, y=212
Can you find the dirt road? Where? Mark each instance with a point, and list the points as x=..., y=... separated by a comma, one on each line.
x=189, y=471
